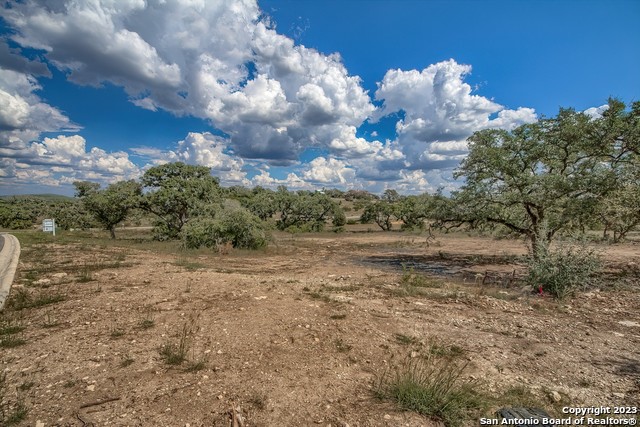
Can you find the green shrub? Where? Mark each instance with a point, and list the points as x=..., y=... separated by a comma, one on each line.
x=563, y=270
x=433, y=387
x=339, y=218
x=233, y=225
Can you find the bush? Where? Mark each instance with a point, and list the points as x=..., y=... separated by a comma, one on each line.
x=339, y=218
x=233, y=225
x=434, y=387
x=564, y=270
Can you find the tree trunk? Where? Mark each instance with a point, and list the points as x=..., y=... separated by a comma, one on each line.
x=534, y=246
x=112, y=230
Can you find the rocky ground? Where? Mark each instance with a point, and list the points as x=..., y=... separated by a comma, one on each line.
x=299, y=334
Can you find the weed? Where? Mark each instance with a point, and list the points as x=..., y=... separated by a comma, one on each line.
x=412, y=284
x=7, y=327
x=439, y=349
x=259, y=401
x=69, y=383
x=31, y=276
x=176, y=353
x=18, y=414
x=342, y=346
x=319, y=296
x=405, y=339
x=173, y=354
x=188, y=264
x=126, y=361
x=338, y=316
x=117, y=332
x=85, y=274
x=585, y=382
x=46, y=299
x=433, y=387
x=10, y=414
x=11, y=341
x=22, y=299
x=147, y=323
x=26, y=386
x=194, y=366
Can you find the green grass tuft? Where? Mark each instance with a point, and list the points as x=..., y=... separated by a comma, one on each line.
x=433, y=387
x=405, y=339
x=11, y=341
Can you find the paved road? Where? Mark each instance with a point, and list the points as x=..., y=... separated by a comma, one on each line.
x=9, y=254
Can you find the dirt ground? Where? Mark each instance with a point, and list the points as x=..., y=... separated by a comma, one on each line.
x=298, y=334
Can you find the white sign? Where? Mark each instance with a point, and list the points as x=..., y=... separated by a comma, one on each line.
x=49, y=226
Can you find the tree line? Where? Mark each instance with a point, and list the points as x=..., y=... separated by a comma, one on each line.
x=571, y=172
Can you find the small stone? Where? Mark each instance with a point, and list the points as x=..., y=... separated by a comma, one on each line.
x=91, y=387
x=629, y=323
x=39, y=423
x=387, y=417
x=618, y=395
x=555, y=396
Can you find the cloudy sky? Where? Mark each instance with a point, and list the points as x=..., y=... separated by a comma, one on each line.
x=310, y=94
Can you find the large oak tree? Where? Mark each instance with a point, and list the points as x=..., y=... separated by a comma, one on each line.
x=548, y=176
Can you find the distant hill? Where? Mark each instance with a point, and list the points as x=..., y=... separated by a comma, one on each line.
x=52, y=197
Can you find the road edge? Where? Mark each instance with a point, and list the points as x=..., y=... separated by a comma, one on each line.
x=8, y=264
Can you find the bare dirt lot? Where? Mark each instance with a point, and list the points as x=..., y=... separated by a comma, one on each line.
x=299, y=334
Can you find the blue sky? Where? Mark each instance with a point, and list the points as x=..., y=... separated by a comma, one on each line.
x=348, y=94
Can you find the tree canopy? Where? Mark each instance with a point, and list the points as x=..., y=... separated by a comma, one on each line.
x=548, y=176
x=111, y=205
x=175, y=192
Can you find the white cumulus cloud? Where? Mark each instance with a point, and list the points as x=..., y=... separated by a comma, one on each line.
x=329, y=171
x=62, y=160
x=23, y=115
x=440, y=112
x=212, y=59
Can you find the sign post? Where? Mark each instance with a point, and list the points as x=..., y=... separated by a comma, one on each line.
x=49, y=225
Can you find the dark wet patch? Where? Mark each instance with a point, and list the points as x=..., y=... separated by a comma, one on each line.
x=417, y=263
x=457, y=267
